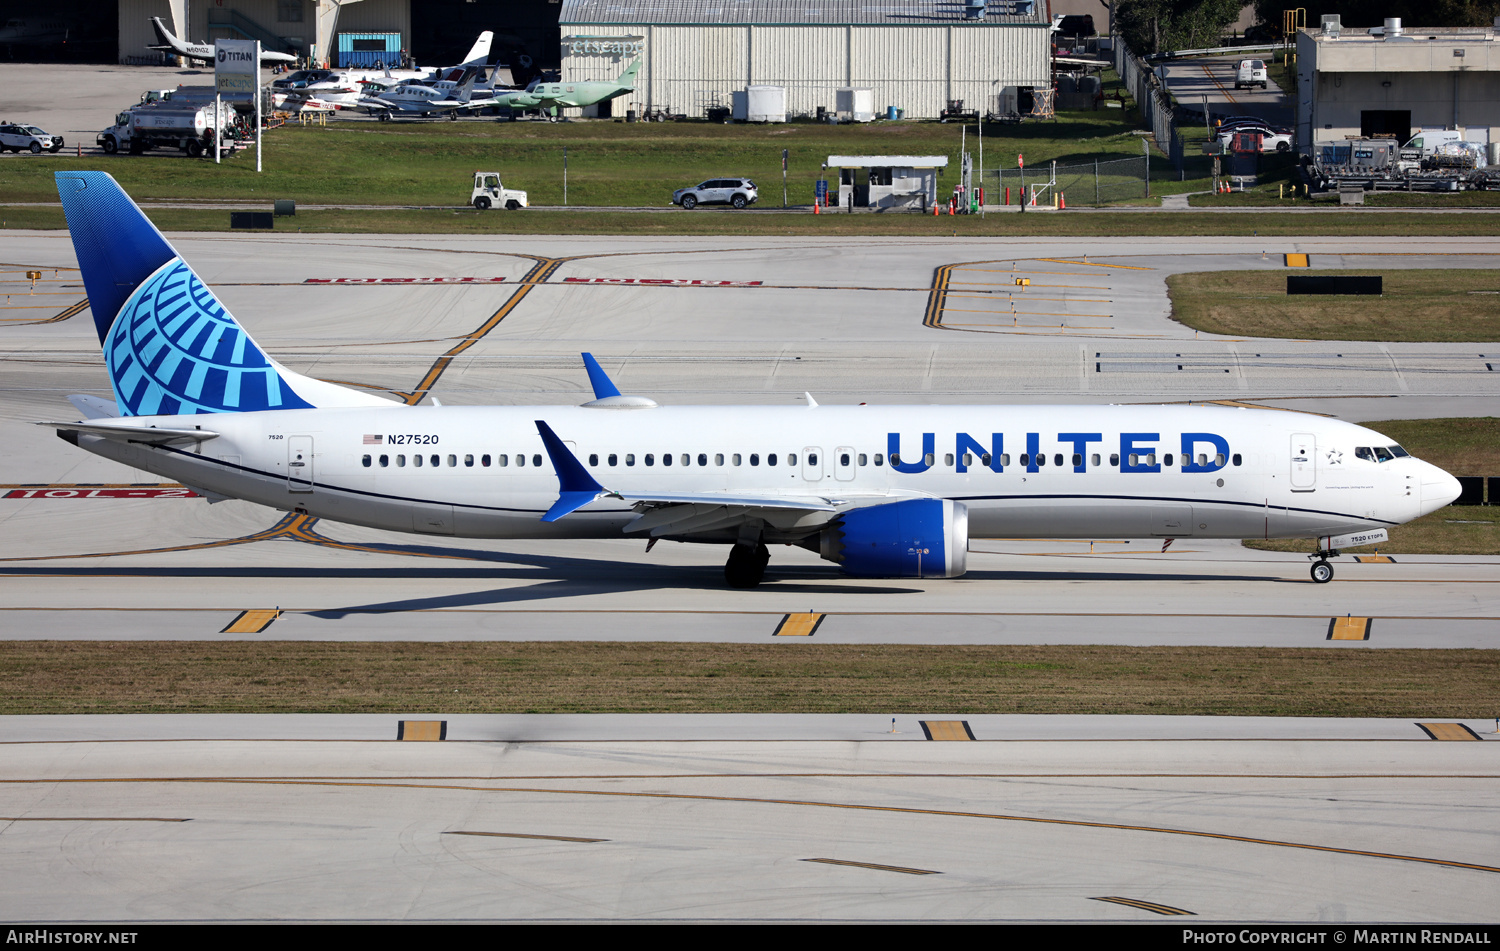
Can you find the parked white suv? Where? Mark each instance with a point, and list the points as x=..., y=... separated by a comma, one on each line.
x=738, y=192
x=1251, y=73
x=14, y=138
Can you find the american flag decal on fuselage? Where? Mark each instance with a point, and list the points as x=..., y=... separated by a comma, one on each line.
x=374, y=440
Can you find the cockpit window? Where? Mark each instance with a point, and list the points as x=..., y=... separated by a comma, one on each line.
x=1363, y=452
x=1398, y=452
x=1383, y=454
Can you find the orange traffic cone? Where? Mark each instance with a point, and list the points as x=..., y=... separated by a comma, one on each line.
x=1062, y=200
x=935, y=207
x=817, y=207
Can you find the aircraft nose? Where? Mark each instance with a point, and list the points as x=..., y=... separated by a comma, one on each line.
x=1438, y=488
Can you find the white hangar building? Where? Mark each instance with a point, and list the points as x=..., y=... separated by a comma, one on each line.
x=915, y=55
x=1396, y=81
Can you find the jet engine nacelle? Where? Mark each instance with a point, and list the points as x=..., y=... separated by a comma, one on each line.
x=915, y=538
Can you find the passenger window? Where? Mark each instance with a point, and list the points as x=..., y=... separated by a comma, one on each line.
x=436, y=460
x=666, y=459
x=1236, y=458
x=453, y=460
x=1167, y=459
x=650, y=459
x=843, y=459
x=614, y=459
x=1202, y=458
x=401, y=462
x=484, y=460
x=968, y=459
x=812, y=459
x=736, y=458
x=1025, y=459
x=520, y=459
x=630, y=458
x=385, y=461
x=1150, y=458
x=367, y=462
x=771, y=459
x=702, y=458
x=536, y=460
x=469, y=459
x=502, y=460
x=686, y=459
x=1219, y=460
x=1135, y=459
x=948, y=459
x=879, y=459
x=1057, y=459
x=791, y=458
x=1094, y=460
x=864, y=460
x=593, y=458
x=1114, y=458
x=718, y=458
x=755, y=458
x=1077, y=458
x=1004, y=459
x=416, y=461
x=928, y=459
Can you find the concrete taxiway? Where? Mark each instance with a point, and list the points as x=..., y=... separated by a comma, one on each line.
x=724, y=818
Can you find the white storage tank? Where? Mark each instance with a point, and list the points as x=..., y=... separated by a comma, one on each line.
x=760, y=104
x=854, y=104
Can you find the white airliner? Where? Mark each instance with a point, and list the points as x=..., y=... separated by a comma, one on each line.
x=884, y=491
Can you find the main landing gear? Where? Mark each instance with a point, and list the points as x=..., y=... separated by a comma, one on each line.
x=746, y=565
x=1322, y=571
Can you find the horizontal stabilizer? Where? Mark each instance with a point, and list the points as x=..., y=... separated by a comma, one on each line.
x=147, y=434
x=95, y=407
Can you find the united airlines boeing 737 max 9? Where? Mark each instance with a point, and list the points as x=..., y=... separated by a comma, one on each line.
x=884, y=491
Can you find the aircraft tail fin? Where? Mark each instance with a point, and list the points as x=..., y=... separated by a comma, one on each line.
x=627, y=78
x=162, y=33
x=170, y=346
x=479, y=53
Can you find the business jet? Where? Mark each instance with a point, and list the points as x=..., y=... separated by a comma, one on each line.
x=553, y=96
x=203, y=51
x=883, y=491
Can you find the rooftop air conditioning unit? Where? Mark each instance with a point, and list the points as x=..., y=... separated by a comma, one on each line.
x=974, y=9
x=1333, y=24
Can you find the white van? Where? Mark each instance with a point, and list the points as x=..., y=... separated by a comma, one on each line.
x=1251, y=73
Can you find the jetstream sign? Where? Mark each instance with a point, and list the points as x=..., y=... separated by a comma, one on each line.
x=1137, y=451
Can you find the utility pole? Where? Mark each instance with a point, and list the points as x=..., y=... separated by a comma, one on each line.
x=565, y=176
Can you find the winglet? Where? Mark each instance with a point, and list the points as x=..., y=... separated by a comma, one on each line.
x=576, y=488
x=603, y=386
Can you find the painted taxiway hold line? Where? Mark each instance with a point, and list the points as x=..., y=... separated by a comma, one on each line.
x=876, y=867
x=1145, y=905
x=815, y=804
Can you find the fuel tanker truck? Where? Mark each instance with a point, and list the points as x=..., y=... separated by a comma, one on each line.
x=190, y=127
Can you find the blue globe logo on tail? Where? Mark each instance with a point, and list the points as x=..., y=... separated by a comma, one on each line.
x=174, y=350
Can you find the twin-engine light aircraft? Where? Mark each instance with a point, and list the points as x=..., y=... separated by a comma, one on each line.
x=883, y=491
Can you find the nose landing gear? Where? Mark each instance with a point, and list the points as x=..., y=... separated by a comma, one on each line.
x=1322, y=571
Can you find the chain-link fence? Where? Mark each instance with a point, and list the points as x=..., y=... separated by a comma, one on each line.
x=1152, y=98
x=1084, y=183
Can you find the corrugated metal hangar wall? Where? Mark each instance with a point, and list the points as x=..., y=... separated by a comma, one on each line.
x=914, y=54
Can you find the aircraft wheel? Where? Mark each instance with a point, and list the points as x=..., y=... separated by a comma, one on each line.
x=512, y=205
x=453, y=116
x=746, y=566
x=482, y=203
x=385, y=117
x=1322, y=572
x=689, y=202
x=36, y=148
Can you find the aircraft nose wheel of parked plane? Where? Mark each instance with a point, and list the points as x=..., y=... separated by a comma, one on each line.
x=746, y=566
x=1322, y=571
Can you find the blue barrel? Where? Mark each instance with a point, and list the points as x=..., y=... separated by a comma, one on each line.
x=891, y=112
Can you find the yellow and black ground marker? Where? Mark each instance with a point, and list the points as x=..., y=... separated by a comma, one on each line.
x=1375, y=559
x=252, y=621
x=799, y=625
x=1349, y=628
x=1448, y=731
x=1296, y=260
x=527, y=835
x=1146, y=905
x=878, y=868
x=947, y=729
x=422, y=730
